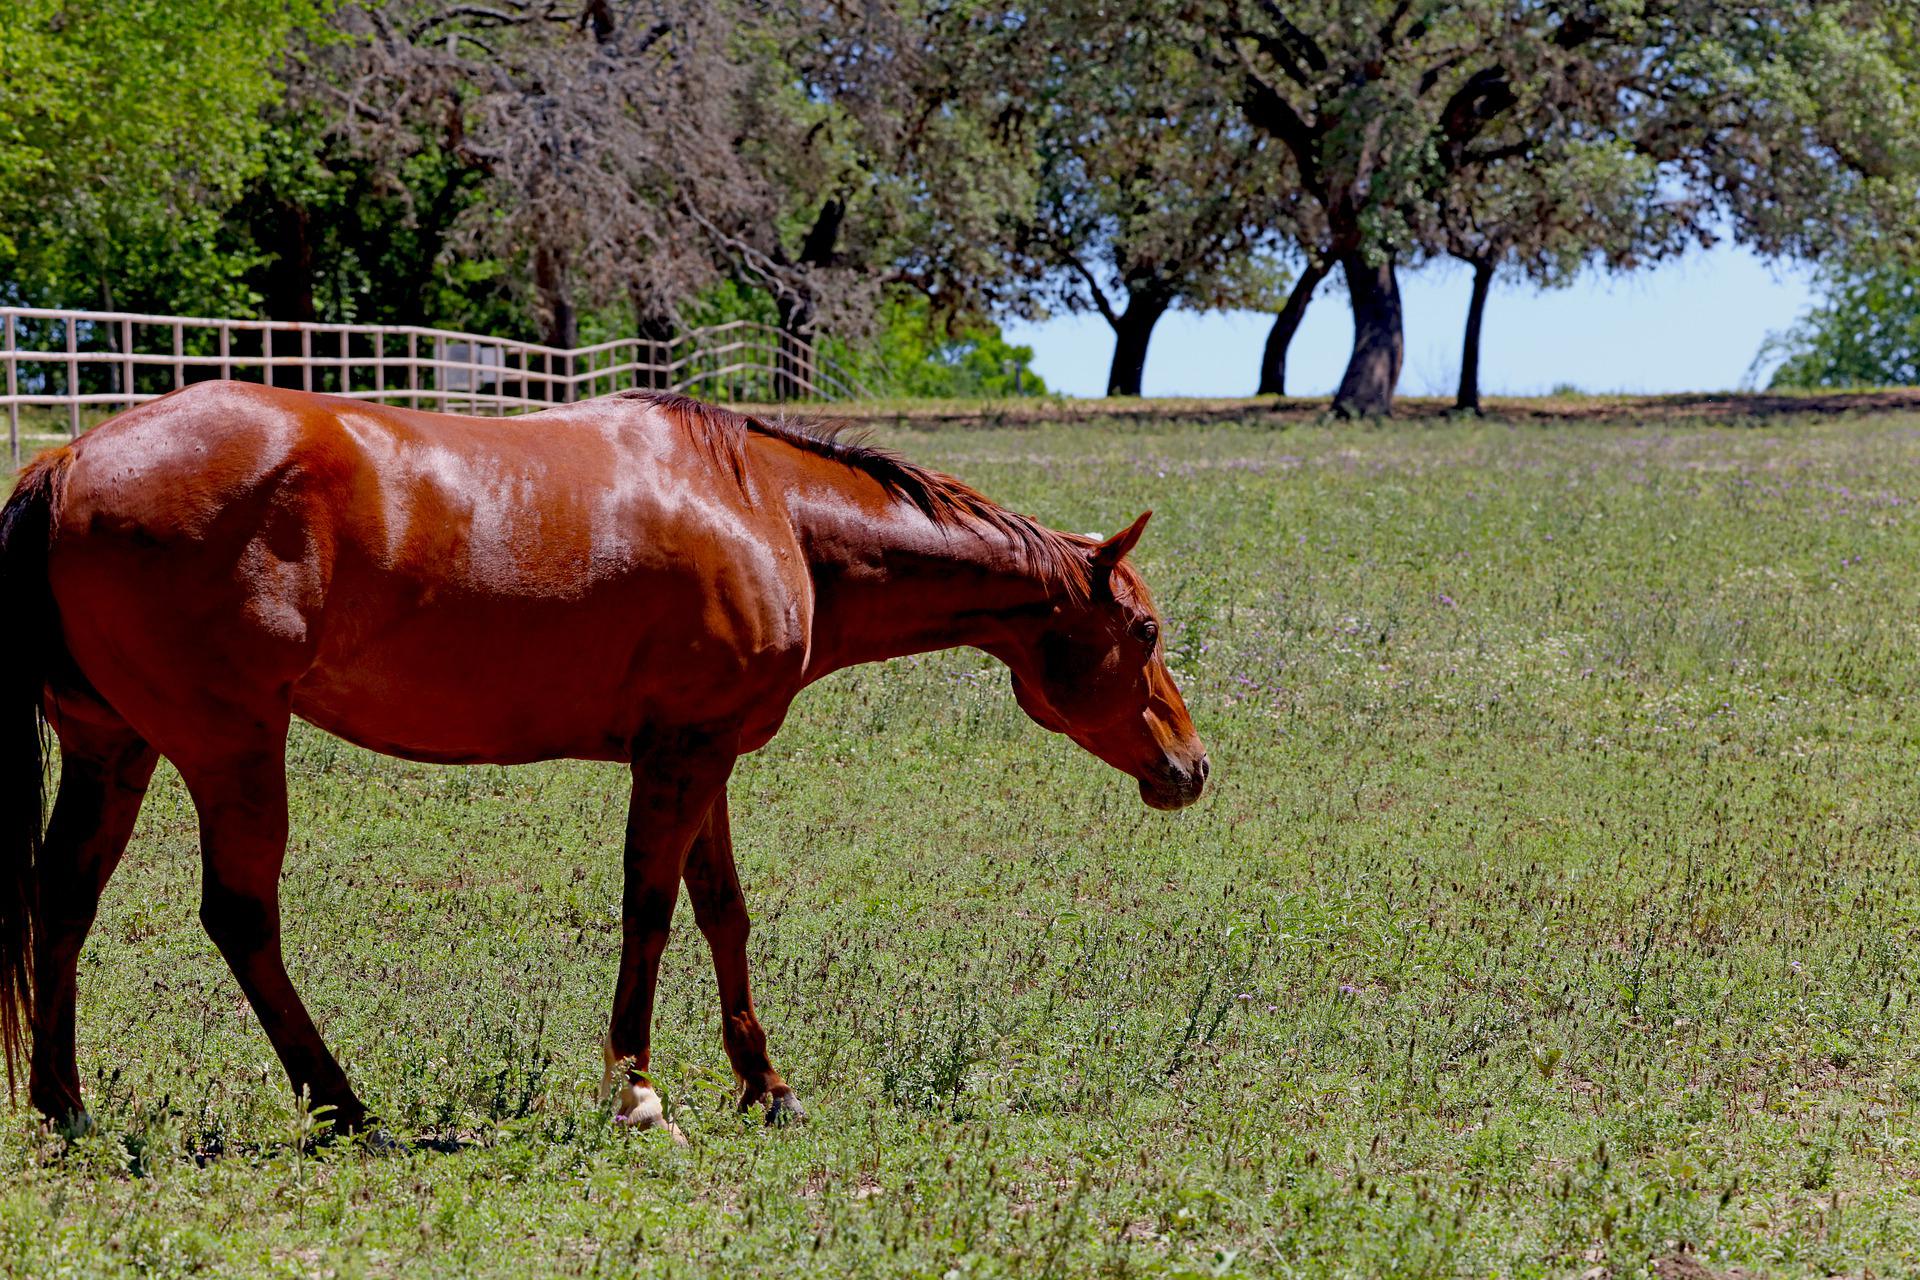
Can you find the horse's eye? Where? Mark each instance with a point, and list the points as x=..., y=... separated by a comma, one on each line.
x=1147, y=632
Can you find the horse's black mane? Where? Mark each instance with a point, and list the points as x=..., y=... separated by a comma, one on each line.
x=947, y=502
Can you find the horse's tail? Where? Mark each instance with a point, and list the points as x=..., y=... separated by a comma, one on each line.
x=30, y=645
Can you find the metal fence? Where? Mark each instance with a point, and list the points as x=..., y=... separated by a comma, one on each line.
x=109, y=360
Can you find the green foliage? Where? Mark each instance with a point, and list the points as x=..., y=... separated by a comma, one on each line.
x=1385, y=104
x=1552, y=916
x=890, y=138
x=1864, y=333
x=126, y=129
x=1570, y=205
x=728, y=301
x=912, y=354
x=1830, y=94
x=1152, y=185
x=416, y=161
x=348, y=235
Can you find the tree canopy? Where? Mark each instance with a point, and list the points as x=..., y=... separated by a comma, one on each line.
x=1152, y=191
x=125, y=132
x=1748, y=108
x=573, y=169
x=1864, y=332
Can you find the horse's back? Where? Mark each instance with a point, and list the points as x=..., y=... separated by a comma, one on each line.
x=433, y=586
x=175, y=466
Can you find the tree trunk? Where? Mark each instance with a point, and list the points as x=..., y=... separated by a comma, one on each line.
x=560, y=324
x=793, y=363
x=1379, y=341
x=1132, y=330
x=289, y=286
x=656, y=348
x=1273, y=362
x=1468, y=401
x=431, y=230
x=289, y=277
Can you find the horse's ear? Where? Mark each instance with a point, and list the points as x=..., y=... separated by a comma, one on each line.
x=1109, y=553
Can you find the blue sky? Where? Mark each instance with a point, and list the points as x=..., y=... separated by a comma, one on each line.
x=1694, y=324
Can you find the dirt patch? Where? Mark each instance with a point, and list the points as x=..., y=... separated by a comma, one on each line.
x=1686, y=1265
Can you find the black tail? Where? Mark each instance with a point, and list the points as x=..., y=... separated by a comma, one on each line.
x=29, y=641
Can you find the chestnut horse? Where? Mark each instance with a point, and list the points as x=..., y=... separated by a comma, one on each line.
x=640, y=578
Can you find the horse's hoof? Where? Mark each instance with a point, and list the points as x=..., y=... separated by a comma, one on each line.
x=356, y=1123
x=784, y=1108
x=639, y=1106
x=351, y=1123
x=376, y=1139
x=72, y=1125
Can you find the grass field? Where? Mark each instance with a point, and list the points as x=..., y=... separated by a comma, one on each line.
x=1553, y=914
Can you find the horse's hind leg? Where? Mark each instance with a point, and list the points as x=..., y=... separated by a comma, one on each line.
x=713, y=886
x=242, y=802
x=104, y=771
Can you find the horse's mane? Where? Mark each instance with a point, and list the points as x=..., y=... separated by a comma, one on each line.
x=947, y=502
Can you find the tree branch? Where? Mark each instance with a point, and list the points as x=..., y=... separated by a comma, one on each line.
x=1486, y=94
x=1388, y=32
x=1276, y=48
x=1267, y=109
x=1098, y=294
x=1303, y=44
x=1431, y=76
x=481, y=14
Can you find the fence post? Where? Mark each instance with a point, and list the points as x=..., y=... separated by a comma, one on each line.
x=179, y=353
x=13, y=390
x=306, y=358
x=73, y=378
x=226, y=353
x=126, y=361
x=413, y=370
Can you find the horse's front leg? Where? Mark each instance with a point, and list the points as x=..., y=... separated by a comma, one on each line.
x=713, y=886
x=674, y=785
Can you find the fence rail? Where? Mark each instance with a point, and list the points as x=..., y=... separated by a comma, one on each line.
x=92, y=359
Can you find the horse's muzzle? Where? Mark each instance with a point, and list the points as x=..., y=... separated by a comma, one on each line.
x=1176, y=786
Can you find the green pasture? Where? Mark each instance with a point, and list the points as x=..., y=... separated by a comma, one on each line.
x=1553, y=914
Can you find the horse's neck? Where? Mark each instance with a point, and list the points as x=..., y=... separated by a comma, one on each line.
x=903, y=584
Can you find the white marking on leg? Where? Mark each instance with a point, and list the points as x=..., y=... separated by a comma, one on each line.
x=633, y=1104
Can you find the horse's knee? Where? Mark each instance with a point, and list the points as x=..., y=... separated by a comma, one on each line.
x=240, y=924
x=727, y=927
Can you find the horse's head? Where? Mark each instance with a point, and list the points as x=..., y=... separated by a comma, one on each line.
x=1094, y=670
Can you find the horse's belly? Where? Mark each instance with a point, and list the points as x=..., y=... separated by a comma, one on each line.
x=509, y=682
x=431, y=723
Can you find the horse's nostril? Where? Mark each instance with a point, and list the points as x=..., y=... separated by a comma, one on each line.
x=1206, y=767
